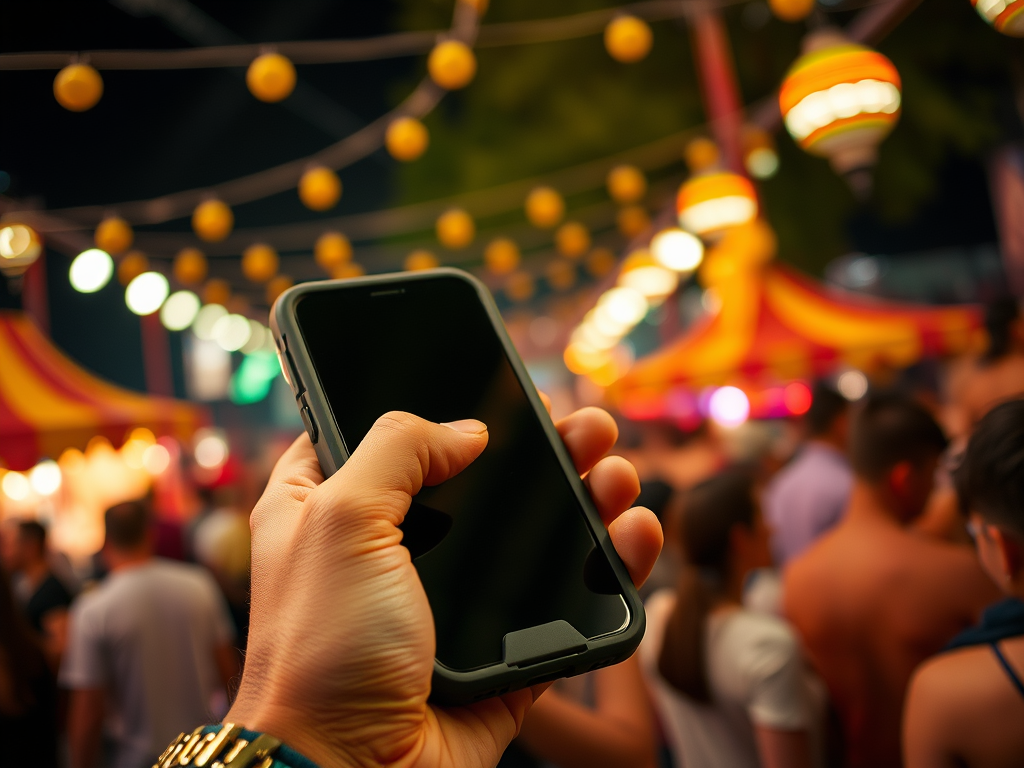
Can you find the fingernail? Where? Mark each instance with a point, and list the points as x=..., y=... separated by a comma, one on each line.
x=467, y=426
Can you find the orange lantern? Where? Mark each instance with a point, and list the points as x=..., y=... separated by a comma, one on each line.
x=212, y=221
x=627, y=39
x=501, y=256
x=217, y=291
x=544, y=207
x=133, y=264
x=791, y=10
x=701, y=154
x=113, y=235
x=406, y=139
x=455, y=228
x=190, y=266
x=626, y=184
x=839, y=100
x=270, y=77
x=419, y=260
x=600, y=262
x=451, y=64
x=1005, y=15
x=332, y=249
x=632, y=220
x=78, y=87
x=319, y=189
x=278, y=285
x=561, y=274
x=259, y=262
x=519, y=286
x=348, y=270
x=710, y=203
x=20, y=247
x=572, y=239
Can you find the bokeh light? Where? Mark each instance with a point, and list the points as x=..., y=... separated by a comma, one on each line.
x=45, y=477
x=15, y=486
x=729, y=407
x=206, y=319
x=91, y=270
x=797, y=398
x=852, y=385
x=211, y=449
x=180, y=310
x=146, y=293
x=155, y=459
x=677, y=249
x=231, y=332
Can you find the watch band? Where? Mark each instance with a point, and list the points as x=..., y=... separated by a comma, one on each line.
x=229, y=746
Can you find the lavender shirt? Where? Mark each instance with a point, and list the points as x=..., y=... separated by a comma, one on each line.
x=806, y=498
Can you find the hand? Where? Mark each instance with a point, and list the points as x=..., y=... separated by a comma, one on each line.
x=341, y=640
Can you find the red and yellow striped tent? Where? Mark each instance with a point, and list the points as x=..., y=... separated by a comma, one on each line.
x=49, y=404
x=774, y=325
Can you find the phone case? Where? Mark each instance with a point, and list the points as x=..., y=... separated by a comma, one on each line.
x=533, y=655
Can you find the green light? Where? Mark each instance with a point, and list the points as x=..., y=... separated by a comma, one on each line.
x=251, y=382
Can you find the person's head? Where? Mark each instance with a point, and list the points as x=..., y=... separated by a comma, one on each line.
x=990, y=487
x=1005, y=328
x=895, y=446
x=723, y=537
x=24, y=545
x=828, y=418
x=127, y=529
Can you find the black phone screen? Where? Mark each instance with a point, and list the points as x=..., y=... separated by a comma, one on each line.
x=502, y=546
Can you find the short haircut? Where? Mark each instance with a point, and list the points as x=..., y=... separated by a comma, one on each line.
x=127, y=525
x=30, y=530
x=990, y=479
x=827, y=405
x=889, y=429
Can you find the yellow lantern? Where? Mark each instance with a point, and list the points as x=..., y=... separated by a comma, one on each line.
x=561, y=274
x=216, y=291
x=544, y=207
x=455, y=228
x=710, y=203
x=839, y=100
x=212, y=221
x=519, y=286
x=600, y=262
x=113, y=235
x=259, y=262
x=572, y=239
x=332, y=249
x=133, y=264
x=406, y=139
x=20, y=246
x=633, y=220
x=626, y=184
x=419, y=260
x=277, y=286
x=627, y=39
x=190, y=266
x=451, y=64
x=1004, y=15
x=701, y=154
x=270, y=77
x=791, y=10
x=750, y=245
x=347, y=271
x=501, y=256
x=644, y=274
x=319, y=189
x=78, y=87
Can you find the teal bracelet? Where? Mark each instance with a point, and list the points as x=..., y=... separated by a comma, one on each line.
x=230, y=746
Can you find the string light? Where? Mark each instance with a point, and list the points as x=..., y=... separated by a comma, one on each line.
x=729, y=407
x=180, y=310
x=45, y=478
x=146, y=293
x=91, y=270
x=677, y=249
x=15, y=486
x=231, y=332
x=206, y=319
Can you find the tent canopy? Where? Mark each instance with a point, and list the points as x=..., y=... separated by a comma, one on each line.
x=49, y=404
x=774, y=324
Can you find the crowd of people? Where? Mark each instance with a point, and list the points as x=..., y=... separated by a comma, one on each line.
x=861, y=605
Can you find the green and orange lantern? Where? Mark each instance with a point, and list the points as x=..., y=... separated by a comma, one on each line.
x=710, y=203
x=1007, y=16
x=839, y=101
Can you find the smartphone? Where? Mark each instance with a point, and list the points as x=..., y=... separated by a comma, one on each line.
x=523, y=582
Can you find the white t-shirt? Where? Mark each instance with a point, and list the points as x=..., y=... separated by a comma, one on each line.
x=147, y=635
x=756, y=676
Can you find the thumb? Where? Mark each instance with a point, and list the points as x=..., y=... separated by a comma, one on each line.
x=402, y=453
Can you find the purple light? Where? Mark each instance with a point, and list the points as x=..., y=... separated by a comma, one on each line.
x=729, y=407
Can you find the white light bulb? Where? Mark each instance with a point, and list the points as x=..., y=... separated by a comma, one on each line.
x=852, y=385
x=211, y=449
x=231, y=332
x=677, y=249
x=156, y=459
x=91, y=270
x=623, y=305
x=206, y=318
x=729, y=407
x=45, y=477
x=146, y=293
x=15, y=486
x=180, y=310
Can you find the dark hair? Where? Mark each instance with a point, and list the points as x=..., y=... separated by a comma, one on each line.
x=827, y=405
x=990, y=479
x=30, y=530
x=20, y=651
x=999, y=318
x=711, y=510
x=127, y=525
x=889, y=429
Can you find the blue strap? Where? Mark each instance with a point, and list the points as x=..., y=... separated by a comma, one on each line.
x=1010, y=672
